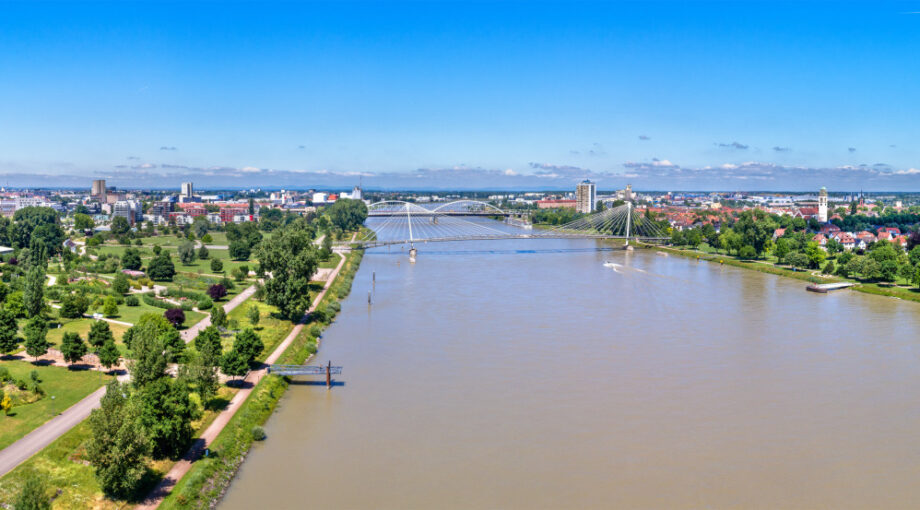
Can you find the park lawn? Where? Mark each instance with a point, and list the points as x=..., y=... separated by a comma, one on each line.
x=332, y=262
x=66, y=386
x=271, y=329
x=132, y=314
x=81, y=327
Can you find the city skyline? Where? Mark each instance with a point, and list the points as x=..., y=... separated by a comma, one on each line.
x=663, y=95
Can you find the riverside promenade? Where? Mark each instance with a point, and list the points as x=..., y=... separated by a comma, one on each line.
x=180, y=468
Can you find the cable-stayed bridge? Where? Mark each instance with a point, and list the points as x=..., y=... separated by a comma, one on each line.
x=395, y=222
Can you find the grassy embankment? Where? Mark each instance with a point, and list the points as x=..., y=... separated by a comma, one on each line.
x=209, y=477
x=895, y=290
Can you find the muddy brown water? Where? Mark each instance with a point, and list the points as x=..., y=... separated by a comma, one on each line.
x=525, y=374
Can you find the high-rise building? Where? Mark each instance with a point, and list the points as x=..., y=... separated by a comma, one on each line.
x=98, y=191
x=585, y=197
x=187, y=190
x=822, y=205
x=356, y=193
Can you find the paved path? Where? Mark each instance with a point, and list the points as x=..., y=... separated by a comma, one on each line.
x=252, y=379
x=189, y=334
x=35, y=441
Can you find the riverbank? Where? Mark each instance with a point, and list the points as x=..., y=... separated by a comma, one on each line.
x=207, y=479
x=894, y=291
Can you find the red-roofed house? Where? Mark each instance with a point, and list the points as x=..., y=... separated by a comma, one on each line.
x=846, y=239
x=890, y=230
x=778, y=233
x=829, y=229
x=820, y=239
x=866, y=237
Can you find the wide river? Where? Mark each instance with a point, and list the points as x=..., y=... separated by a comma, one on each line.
x=525, y=374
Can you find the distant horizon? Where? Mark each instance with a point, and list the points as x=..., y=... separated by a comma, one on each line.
x=699, y=95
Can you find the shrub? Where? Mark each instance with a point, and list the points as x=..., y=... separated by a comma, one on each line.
x=217, y=291
x=258, y=433
x=132, y=301
x=217, y=266
x=205, y=303
x=175, y=316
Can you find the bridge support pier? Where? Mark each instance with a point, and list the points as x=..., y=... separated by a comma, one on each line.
x=412, y=254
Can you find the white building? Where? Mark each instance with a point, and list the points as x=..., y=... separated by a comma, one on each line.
x=319, y=198
x=585, y=197
x=187, y=190
x=822, y=205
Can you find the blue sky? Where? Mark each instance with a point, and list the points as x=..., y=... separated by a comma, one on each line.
x=666, y=95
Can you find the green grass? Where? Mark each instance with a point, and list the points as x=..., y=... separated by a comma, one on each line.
x=332, y=262
x=81, y=327
x=271, y=330
x=133, y=314
x=66, y=386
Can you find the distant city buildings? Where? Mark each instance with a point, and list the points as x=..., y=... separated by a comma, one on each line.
x=187, y=190
x=585, y=197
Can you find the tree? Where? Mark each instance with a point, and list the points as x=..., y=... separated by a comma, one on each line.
x=208, y=341
x=161, y=267
x=234, y=364
x=100, y=333
x=833, y=246
x=200, y=226
x=34, y=291
x=148, y=362
x=110, y=307
x=121, y=284
x=131, y=259
x=815, y=254
x=175, y=316
x=16, y=304
x=248, y=343
x=173, y=344
x=239, y=250
x=781, y=249
x=72, y=347
x=253, y=315
x=216, y=265
x=36, y=331
x=119, y=445
x=797, y=259
x=219, y=317
x=203, y=252
x=108, y=354
x=83, y=222
x=747, y=252
x=187, y=253
x=325, y=252
x=829, y=268
x=291, y=257
x=217, y=291
x=347, y=214
x=28, y=219
x=167, y=414
x=73, y=306
x=201, y=371
x=8, y=331
x=120, y=226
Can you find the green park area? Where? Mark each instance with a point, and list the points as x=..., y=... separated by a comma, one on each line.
x=35, y=401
